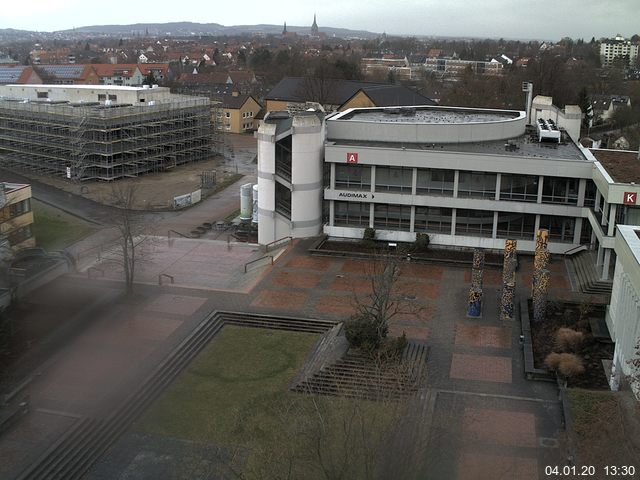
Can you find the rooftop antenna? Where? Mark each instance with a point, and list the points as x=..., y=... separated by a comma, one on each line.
x=527, y=87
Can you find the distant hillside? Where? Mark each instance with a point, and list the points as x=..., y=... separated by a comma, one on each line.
x=192, y=28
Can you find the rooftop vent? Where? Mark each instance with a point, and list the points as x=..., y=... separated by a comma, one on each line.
x=548, y=131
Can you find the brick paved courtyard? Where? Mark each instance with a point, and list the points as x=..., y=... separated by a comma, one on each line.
x=486, y=420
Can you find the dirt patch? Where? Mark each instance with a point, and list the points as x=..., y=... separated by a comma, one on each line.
x=154, y=191
x=591, y=350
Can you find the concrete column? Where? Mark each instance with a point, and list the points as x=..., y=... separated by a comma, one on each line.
x=456, y=181
x=605, y=264
x=605, y=210
x=453, y=221
x=371, y=212
x=536, y=226
x=414, y=184
x=582, y=187
x=498, y=181
x=592, y=241
x=612, y=219
x=373, y=178
x=332, y=181
x=540, y=185
x=577, y=230
x=596, y=203
x=412, y=223
x=332, y=213
x=600, y=255
x=494, y=230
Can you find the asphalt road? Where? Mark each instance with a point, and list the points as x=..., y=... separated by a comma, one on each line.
x=77, y=205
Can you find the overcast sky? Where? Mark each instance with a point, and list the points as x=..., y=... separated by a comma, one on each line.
x=526, y=19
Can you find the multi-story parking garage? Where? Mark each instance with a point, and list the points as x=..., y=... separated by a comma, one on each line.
x=86, y=132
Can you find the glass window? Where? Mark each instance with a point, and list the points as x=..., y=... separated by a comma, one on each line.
x=283, y=200
x=433, y=219
x=523, y=188
x=561, y=229
x=560, y=190
x=516, y=225
x=590, y=194
x=353, y=177
x=392, y=217
x=477, y=184
x=435, y=181
x=394, y=179
x=351, y=214
x=478, y=223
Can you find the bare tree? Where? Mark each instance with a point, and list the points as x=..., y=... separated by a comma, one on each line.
x=369, y=326
x=129, y=226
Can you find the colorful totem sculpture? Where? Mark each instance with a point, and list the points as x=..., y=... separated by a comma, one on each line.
x=508, y=279
x=540, y=296
x=475, y=292
x=540, y=283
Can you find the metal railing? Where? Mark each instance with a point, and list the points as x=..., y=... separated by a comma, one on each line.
x=270, y=244
x=575, y=249
x=257, y=260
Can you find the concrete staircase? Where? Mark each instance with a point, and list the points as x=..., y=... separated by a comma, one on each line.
x=357, y=375
x=586, y=277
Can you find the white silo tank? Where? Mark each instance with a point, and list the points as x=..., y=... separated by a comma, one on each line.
x=254, y=217
x=246, y=206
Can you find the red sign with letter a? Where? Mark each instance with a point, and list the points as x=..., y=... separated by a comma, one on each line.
x=630, y=198
x=352, y=157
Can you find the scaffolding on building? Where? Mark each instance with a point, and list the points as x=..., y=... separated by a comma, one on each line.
x=93, y=141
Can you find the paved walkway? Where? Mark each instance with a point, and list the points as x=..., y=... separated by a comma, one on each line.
x=487, y=421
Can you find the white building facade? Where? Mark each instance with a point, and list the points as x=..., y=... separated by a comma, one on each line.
x=623, y=314
x=290, y=192
x=618, y=47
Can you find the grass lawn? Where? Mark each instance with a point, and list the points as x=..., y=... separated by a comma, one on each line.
x=235, y=395
x=225, y=395
x=55, y=229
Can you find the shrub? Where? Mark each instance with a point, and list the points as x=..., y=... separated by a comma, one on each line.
x=422, y=242
x=369, y=237
x=567, y=339
x=369, y=234
x=567, y=364
x=552, y=361
x=363, y=333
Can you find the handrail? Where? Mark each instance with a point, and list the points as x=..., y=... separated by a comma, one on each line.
x=170, y=277
x=574, y=249
x=256, y=260
x=175, y=231
x=266, y=247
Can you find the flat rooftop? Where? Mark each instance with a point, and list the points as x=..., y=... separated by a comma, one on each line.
x=428, y=115
x=522, y=146
x=86, y=87
x=622, y=166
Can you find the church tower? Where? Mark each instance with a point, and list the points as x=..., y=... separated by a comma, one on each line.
x=284, y=31
x=314, y=27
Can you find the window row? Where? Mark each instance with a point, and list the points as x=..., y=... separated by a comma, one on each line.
x=521, y=188
x=478, y=223
x=15, y=209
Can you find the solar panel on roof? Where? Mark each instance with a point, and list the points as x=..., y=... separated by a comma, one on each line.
x=10, y=75
x=63, y=71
